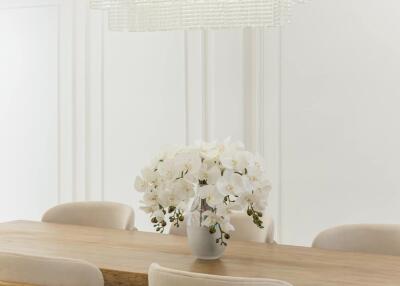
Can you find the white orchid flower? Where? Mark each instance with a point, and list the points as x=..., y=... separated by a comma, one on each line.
x=210, y=175
x=210, y=194
x=151, y=198
x=256, y=160
x=230, y=184
x=170, y=197
x=225, y=210
x=254, y=172
x=183, y=190
x=246, y=199
x=191, y=178
x=168, y=152
x=206, y=172
x=209, y=163
x=213, y=219
x=252, y=183
x=149, y=208
x=151, y=202
x=188, y=162
x=159, y=215
x=141, y=185
x=261, y=185
x=232, y=160
x=167, y=169
x=209, y=151
x=149, y=175
x=259, y=200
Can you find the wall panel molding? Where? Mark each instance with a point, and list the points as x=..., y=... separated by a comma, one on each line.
x=95, y=108
x=261, y=62
x=31, y=112
x=260, y=92
x=81, y=92
x=196, y=86
x=206, y=85
x=66, y=102
x=81, y=102
x=260, y=95
x=186, y=87
x=252, y=91
x=62, y=106
x=248, y=89
x=270, y=112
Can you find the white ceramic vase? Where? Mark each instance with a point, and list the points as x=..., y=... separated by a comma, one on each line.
x=202, y=243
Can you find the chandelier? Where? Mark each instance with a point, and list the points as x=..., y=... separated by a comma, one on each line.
x=164, y=15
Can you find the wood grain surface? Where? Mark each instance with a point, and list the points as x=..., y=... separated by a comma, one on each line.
x=124, y=257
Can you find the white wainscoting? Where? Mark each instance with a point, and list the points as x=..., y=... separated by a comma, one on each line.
x=144, y=107
x=29, y=108
x=132, y=89
x=142, y=91
x=122, y=96
x=339, y=119
x=318, y=99
x=148, y=90
x=42, y=88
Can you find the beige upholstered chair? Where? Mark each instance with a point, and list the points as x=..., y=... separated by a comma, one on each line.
x=14, y=284
x=47, y=271
x=245, y=229
x=160, y=276
x=370, y=238
x=97, y=214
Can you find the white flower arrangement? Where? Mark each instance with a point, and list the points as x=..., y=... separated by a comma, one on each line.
x=221, y=177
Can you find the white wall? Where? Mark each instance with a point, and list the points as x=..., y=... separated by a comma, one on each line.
x=28, y=109
x=317, y=98
x=148, y=101
x=226, y=85
x=120, y=97
x=144, y=107
x=82, y=109
x=148, y=90
x=340, y=128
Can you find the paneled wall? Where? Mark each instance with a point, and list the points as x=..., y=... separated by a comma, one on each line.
x=148, y=90
x=112, y=100
x=137, y=92
x=144, y=107
x=29, y=108
x=317, y=98
x=340, y=125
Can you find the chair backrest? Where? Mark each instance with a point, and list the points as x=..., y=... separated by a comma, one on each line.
x=3, y=283
x=161, y=276
x=97, y=214
x=47, y=271
x=369, y=238
x=245, y=229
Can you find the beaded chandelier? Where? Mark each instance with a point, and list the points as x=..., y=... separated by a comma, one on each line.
x=164, y=15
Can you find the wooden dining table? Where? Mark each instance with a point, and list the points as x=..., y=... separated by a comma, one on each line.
x=125, y=256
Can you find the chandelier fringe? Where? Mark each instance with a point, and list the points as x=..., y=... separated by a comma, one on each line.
x=162, y=15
